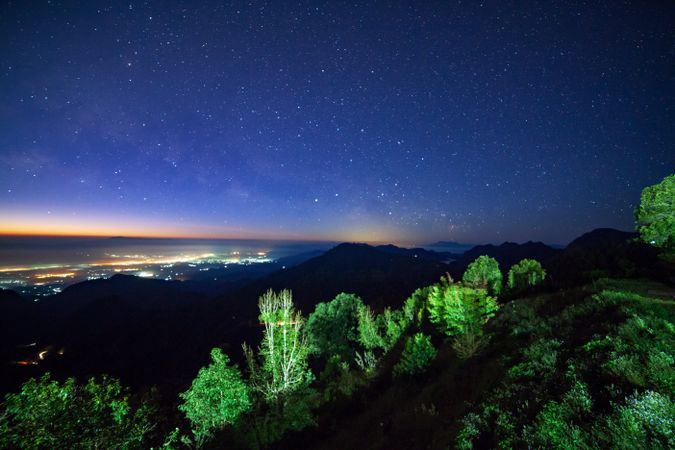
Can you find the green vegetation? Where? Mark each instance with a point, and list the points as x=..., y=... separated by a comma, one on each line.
x=526, y=274
x=217, y=397
x=283, y=353
x=417, y=354
x=461, y=311
x=50, y=414
x=655, y=215
x=333, y=327
x=484, y=273
x=591, y=366
x=597, y=373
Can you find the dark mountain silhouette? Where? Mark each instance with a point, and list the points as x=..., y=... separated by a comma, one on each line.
x=604, y=252
x=507, y=254
x=449, y=246
x=381, y=278
x=15, y=310
x=149, y=331
x=602, y=238
x=429, y=255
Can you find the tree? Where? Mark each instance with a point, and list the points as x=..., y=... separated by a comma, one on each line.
x=484, y=273
x=50, y=414
x=655, y=215
x=283, y=350
x=461, y=311
x=525, y=274
x=217, y=397
x=414, y=308
x=332, y=329
x=417, y=354
x=279, y=374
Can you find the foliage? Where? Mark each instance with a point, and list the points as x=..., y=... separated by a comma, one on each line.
x=270, y=420
x=597, y=373
x=339, y=379
x=332, y=329
x=414, y=308
x=641, y=352
x=417, y=354
x=461, y=311
x=455, y=308
x=50, y=414
x=539, y=360
x=283, y=350
x=655, y=215
x=217, y=397
x=484, y=273
x=555, y=427
x=527, y=273
x=646, y=420
x=377, y=335
x=279, y=375
x=391, y=325
x=369, y=333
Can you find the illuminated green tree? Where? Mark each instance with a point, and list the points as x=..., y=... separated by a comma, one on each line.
x=279, y=375
x=417, y=354
x=50, y=414
x=525, y=274
x=332, y=329
x=284, y=350
x=484, y=273
x=217, y=397
x=655, y=215
x=461, y=311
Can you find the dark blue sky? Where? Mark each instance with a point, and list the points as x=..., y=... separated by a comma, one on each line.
x=386, y=121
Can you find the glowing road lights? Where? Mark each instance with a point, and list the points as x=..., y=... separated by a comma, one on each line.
x=43, y=276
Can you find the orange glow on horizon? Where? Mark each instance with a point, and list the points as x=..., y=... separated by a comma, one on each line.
x=31, y=224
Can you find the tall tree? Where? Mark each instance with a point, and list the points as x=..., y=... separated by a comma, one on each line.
x=283, y=351
x=279, y=375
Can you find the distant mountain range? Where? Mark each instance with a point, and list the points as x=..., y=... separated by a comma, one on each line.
x=155, y=331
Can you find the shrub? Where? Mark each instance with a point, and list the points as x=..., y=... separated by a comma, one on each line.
x=50, y=414
x=417, y=354
x=647, y=420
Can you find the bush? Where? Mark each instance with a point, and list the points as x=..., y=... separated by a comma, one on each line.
x=526, y=274
x=647, y=420
x=49, y=414
x=332, y=329
x=484, y=273
x=417, y=354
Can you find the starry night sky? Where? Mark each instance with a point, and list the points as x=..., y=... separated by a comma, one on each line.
x=379, y=121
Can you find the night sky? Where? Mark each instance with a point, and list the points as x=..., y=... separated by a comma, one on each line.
x=387, y=121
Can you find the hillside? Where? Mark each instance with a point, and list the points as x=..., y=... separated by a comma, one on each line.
x=536, y=341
